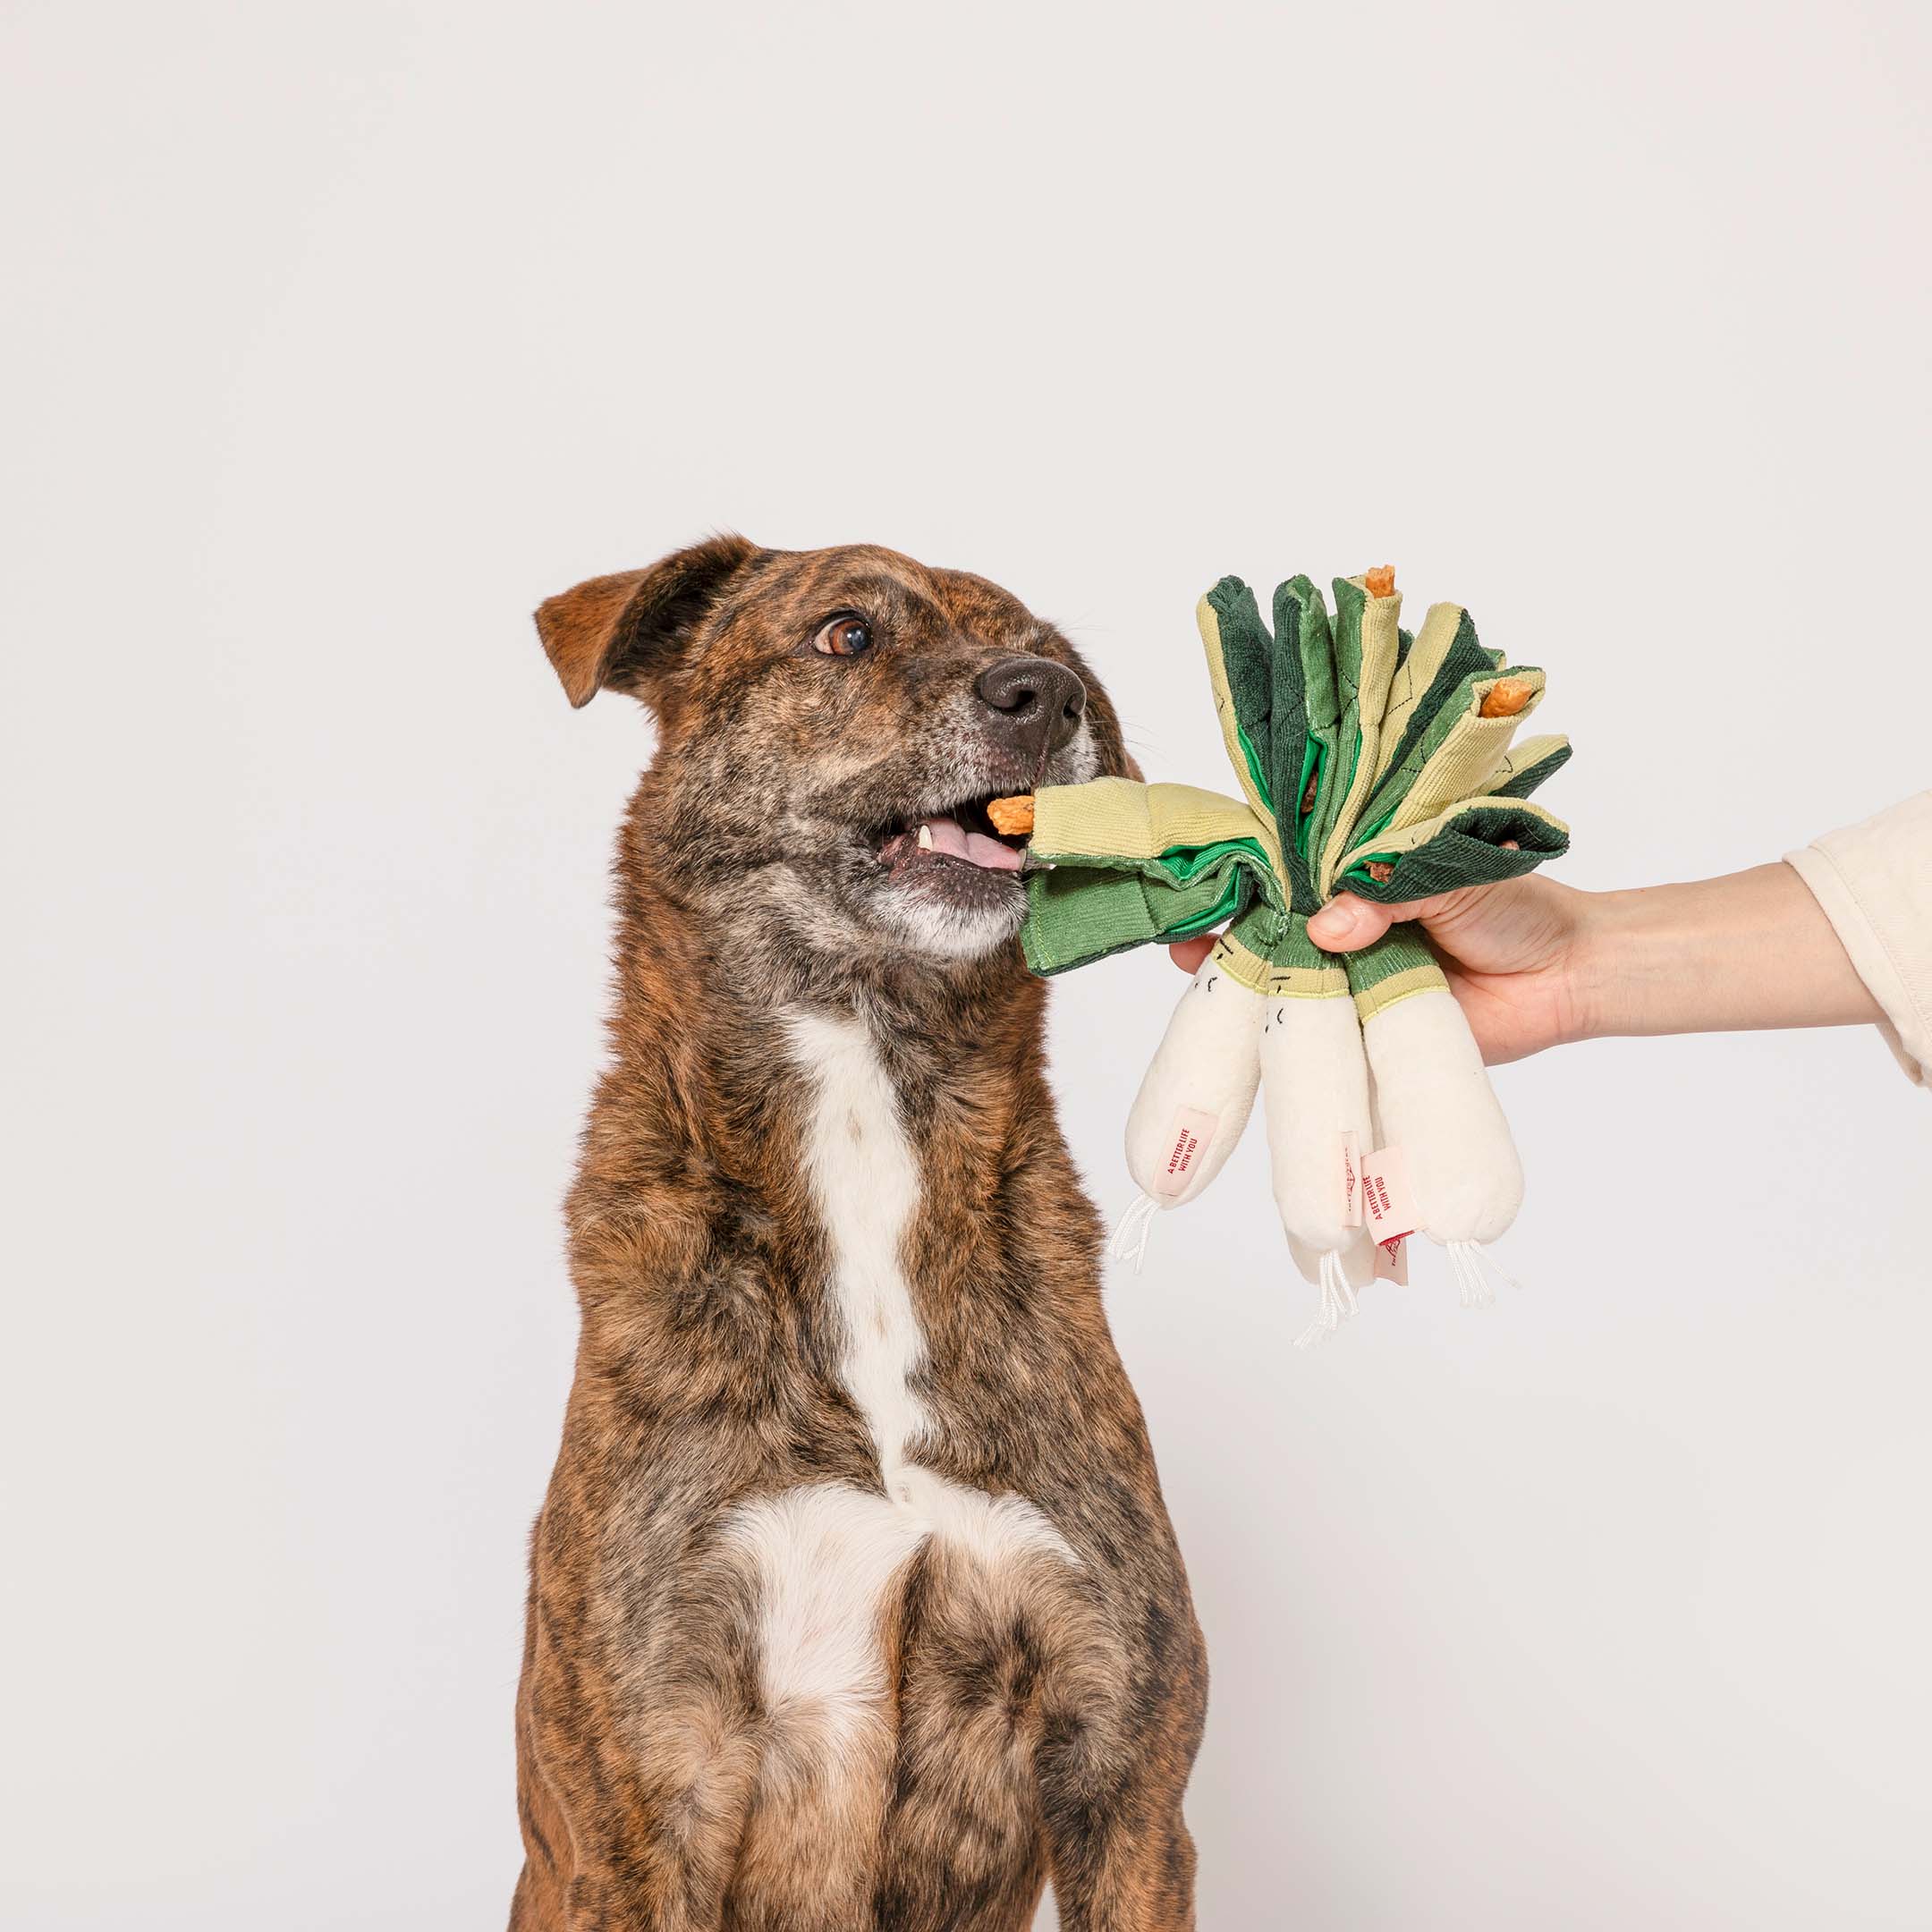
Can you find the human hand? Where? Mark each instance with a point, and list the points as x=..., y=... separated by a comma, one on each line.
x=1509, y=951
x=1536, y=963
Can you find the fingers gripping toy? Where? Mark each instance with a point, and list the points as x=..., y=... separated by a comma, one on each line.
x=1370, y=761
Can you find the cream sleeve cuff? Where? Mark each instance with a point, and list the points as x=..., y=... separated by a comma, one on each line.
x=1873, y=881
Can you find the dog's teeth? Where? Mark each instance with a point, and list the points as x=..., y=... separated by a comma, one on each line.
x=925, y=838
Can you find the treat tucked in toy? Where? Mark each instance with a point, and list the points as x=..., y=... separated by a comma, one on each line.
x=1371, y=762
x=1014, y=817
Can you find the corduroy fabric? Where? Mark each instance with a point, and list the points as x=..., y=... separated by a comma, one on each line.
x=1116, y=820
x=1400, y=954
x=1380, y=736
x=1462, y=846
x=1527, y=765
x=1366, y=634
x=1398, y=986
x=1414, y=679
x=1076, y=917
x=1241, y=671
x=1322, y=702
x=1463, y=757
x=1119, y=864
x=1293, y=760
x=1318, y=976
x=1449, y=634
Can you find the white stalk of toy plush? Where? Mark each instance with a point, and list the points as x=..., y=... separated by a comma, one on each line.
x=1437, y=1106
x=1194, y=1100
x=1315, y=1083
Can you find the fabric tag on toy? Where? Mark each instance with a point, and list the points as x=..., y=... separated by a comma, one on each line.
x=1351, y=1209
x=1392, y=1262
x=1389, y=1206
x=1187, y=1141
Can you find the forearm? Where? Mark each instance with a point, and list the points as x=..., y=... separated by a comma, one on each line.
x=1747, y=951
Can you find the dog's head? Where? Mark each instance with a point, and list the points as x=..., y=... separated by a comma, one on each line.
x=833, y=723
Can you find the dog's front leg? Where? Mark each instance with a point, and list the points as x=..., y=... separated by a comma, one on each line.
x=1124, y=1863
x=632, y=1824
x=656, y=1858
x=1112, y=1777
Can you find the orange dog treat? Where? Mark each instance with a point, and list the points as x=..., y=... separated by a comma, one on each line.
x=1506, y=697
x=1380, y=581
x=1012, y=815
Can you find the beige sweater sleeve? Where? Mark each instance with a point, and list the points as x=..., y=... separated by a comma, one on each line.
x=1875, y=884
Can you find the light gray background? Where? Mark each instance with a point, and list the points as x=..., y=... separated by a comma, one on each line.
x=338, y=335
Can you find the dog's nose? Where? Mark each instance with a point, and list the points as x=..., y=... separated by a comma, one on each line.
x=1037, y=704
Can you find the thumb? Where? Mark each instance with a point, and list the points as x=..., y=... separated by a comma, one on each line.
x=1347, y=923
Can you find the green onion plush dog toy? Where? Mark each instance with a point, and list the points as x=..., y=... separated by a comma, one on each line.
x=1370, y=761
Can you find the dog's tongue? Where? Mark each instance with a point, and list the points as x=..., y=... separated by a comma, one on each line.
x=948, y=835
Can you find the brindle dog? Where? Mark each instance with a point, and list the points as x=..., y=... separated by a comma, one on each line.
x=853, y=1600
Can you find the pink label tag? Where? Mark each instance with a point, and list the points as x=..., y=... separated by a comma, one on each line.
x=1187, y=1141
x=1387, y=1205
x=1392, y=1262
x=1351, y=1178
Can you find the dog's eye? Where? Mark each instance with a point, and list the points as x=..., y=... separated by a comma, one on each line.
x=843, y=636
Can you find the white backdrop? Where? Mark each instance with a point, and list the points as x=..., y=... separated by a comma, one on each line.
x=337, y=335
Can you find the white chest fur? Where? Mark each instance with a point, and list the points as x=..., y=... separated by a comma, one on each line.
x=825, y=1556
x=867, y=1184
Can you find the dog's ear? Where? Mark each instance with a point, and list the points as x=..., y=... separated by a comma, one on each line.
x=1104, y=722
x=632, y=630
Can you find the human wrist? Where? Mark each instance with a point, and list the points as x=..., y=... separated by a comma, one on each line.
x=1566, y=940
x=1631, y=960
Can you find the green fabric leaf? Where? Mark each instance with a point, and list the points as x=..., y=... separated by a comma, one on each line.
x=1247, y=653
x=1292, y=742
x=1466, y=659
x=1525, y=781
x=1468, y=851
x=1298, y=706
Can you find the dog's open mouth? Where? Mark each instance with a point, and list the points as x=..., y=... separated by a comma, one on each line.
x=962, y=836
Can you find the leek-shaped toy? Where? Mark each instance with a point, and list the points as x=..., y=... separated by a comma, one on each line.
x=1370, y=761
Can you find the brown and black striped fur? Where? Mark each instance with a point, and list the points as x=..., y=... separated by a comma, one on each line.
x=1037, y=1721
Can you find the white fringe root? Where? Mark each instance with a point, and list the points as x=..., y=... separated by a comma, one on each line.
x=1337, y=1301
x=1130, y=1238
x=1472, y=1265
